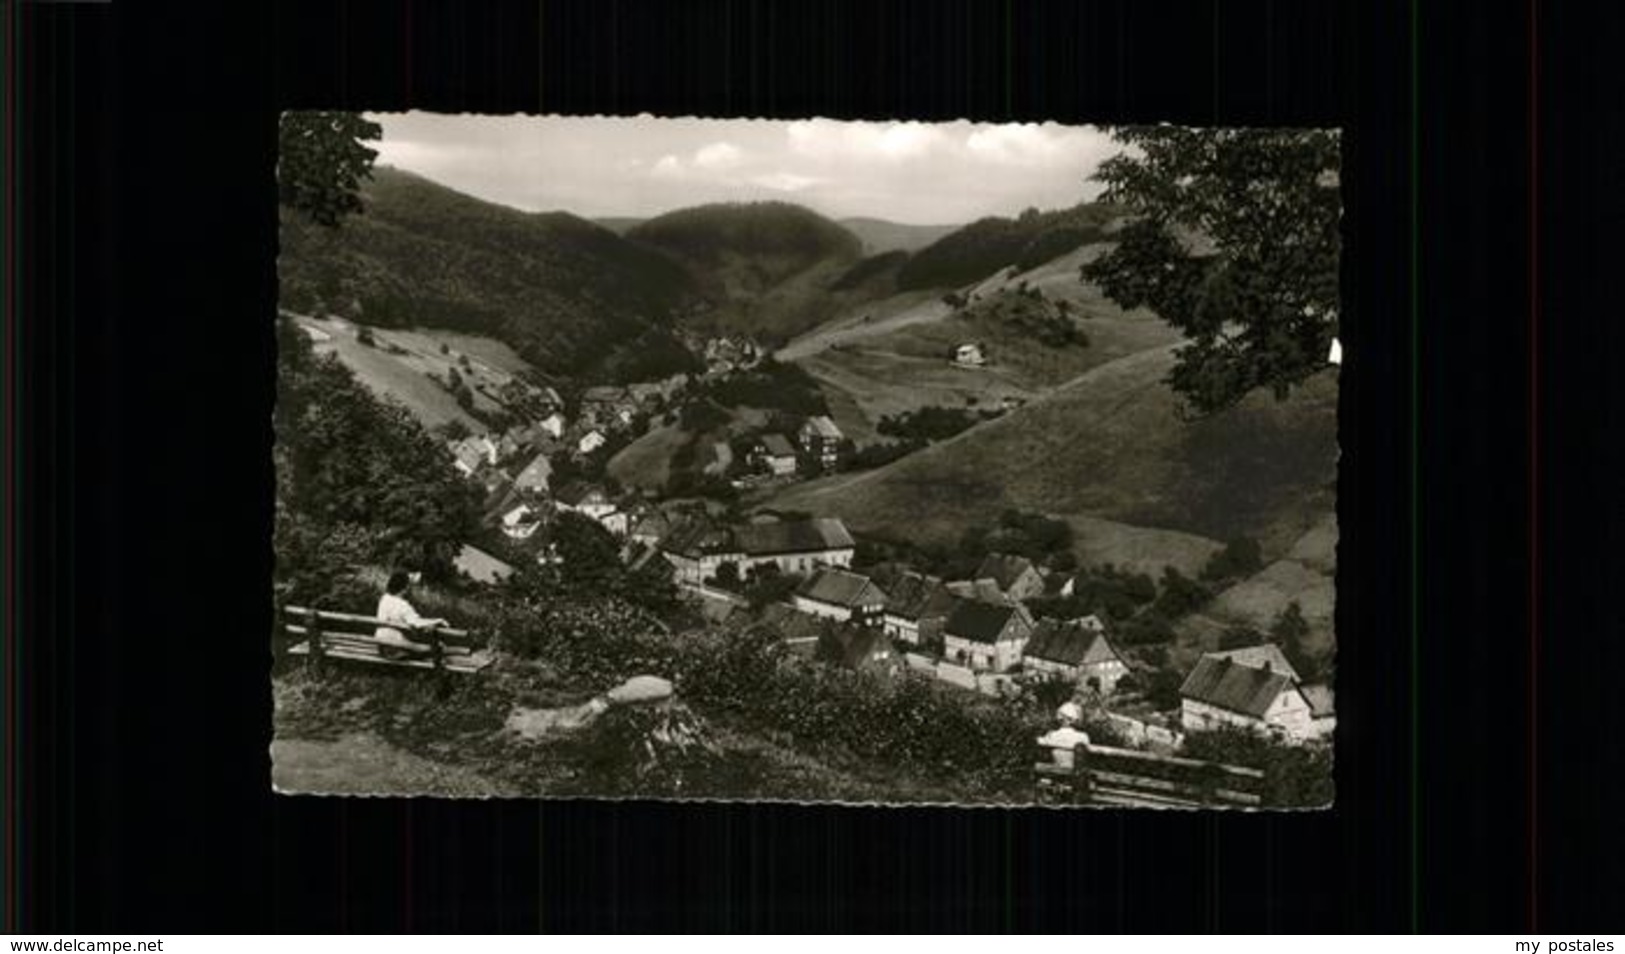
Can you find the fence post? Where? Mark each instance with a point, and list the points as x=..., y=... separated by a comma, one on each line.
x=437, y=653
x=313, y=629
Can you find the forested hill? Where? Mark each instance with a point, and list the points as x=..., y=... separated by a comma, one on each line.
x=572, y=298
x=765, y=267
x=981, y=248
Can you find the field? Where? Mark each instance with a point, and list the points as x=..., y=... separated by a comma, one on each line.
x=404, y=365
x=646, y=462
x=399, y=378
x=897, y=360
x=1111, y=446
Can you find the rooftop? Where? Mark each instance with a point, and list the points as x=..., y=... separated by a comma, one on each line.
x=1264, y=656
x=977, y=621
x=823, y=427
x=916, y=595
x=793, y=536
x=777, y=445
x=1225, y=684
x=1071, y=643
x=1003, y=568
x=841, y=588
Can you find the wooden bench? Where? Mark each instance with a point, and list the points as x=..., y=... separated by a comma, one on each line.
x=329, y=635
x=1109, y=775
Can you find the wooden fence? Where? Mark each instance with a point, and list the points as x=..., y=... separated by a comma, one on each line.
x=1102, y=774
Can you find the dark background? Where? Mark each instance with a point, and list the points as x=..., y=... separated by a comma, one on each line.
x=1477, y=732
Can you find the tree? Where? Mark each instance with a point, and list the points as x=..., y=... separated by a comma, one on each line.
x=1234, y=241
x=321, y=162
x=727, y=575
x=1180, y=594
x=1239, y=637
x=1289, y=630
x=1240, y=557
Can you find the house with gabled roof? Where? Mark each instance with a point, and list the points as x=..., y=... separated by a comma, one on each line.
x=1222, y=692
x=841, y=595
x=852, y=646
x=917, y=608
x=821, y=439
x=534, y=476
x=584, y=498
x=472, y=453
x=775, y=454
x=652, y=528
x=1016, y=576
x=698, y=548
x=982, y=591
x=799, y=632
x=797, y=546
x=1322, y=711
x=521, y=522
x=1077, y=650
x=986, y=636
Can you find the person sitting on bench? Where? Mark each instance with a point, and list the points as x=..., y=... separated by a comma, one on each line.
x=1065, y=738
x=393, y=609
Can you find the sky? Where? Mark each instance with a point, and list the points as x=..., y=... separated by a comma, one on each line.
x=917, y=173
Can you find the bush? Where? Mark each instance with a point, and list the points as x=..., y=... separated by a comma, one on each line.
x=701, y=416
x=879, y=455
x=930, y=423
x=1146, y=627
x=1240, y=557
x=1180, y=595
x=978, y=745
x=1239, y=637
x=1294, y=776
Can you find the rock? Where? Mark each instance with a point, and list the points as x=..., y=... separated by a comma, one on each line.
x=535, y=723
x=640, y=689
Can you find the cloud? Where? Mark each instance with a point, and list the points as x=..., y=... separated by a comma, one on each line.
x=718, y=156
x=825, y=139
x=667, y=167
x=1015, y=145
x=908, y=171
x=785, y=181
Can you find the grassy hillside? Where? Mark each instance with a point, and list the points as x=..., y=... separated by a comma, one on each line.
x=1111, y=446
x=987, y=245
x=898, y=360
x=767, y=269
x=570, y=297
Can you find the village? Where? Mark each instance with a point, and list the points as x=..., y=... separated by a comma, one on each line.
x=991, y=632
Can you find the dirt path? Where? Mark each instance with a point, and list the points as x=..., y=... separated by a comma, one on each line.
x=364, y=764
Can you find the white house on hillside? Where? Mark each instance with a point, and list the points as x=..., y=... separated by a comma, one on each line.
x=969, y=355
x=1076, y=650
x=697, y=549
x=1223, y=692
x=986, y=636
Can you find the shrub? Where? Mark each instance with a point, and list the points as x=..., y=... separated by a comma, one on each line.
x=1294, y=776
x=1240, y=557
x=1180, y=595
